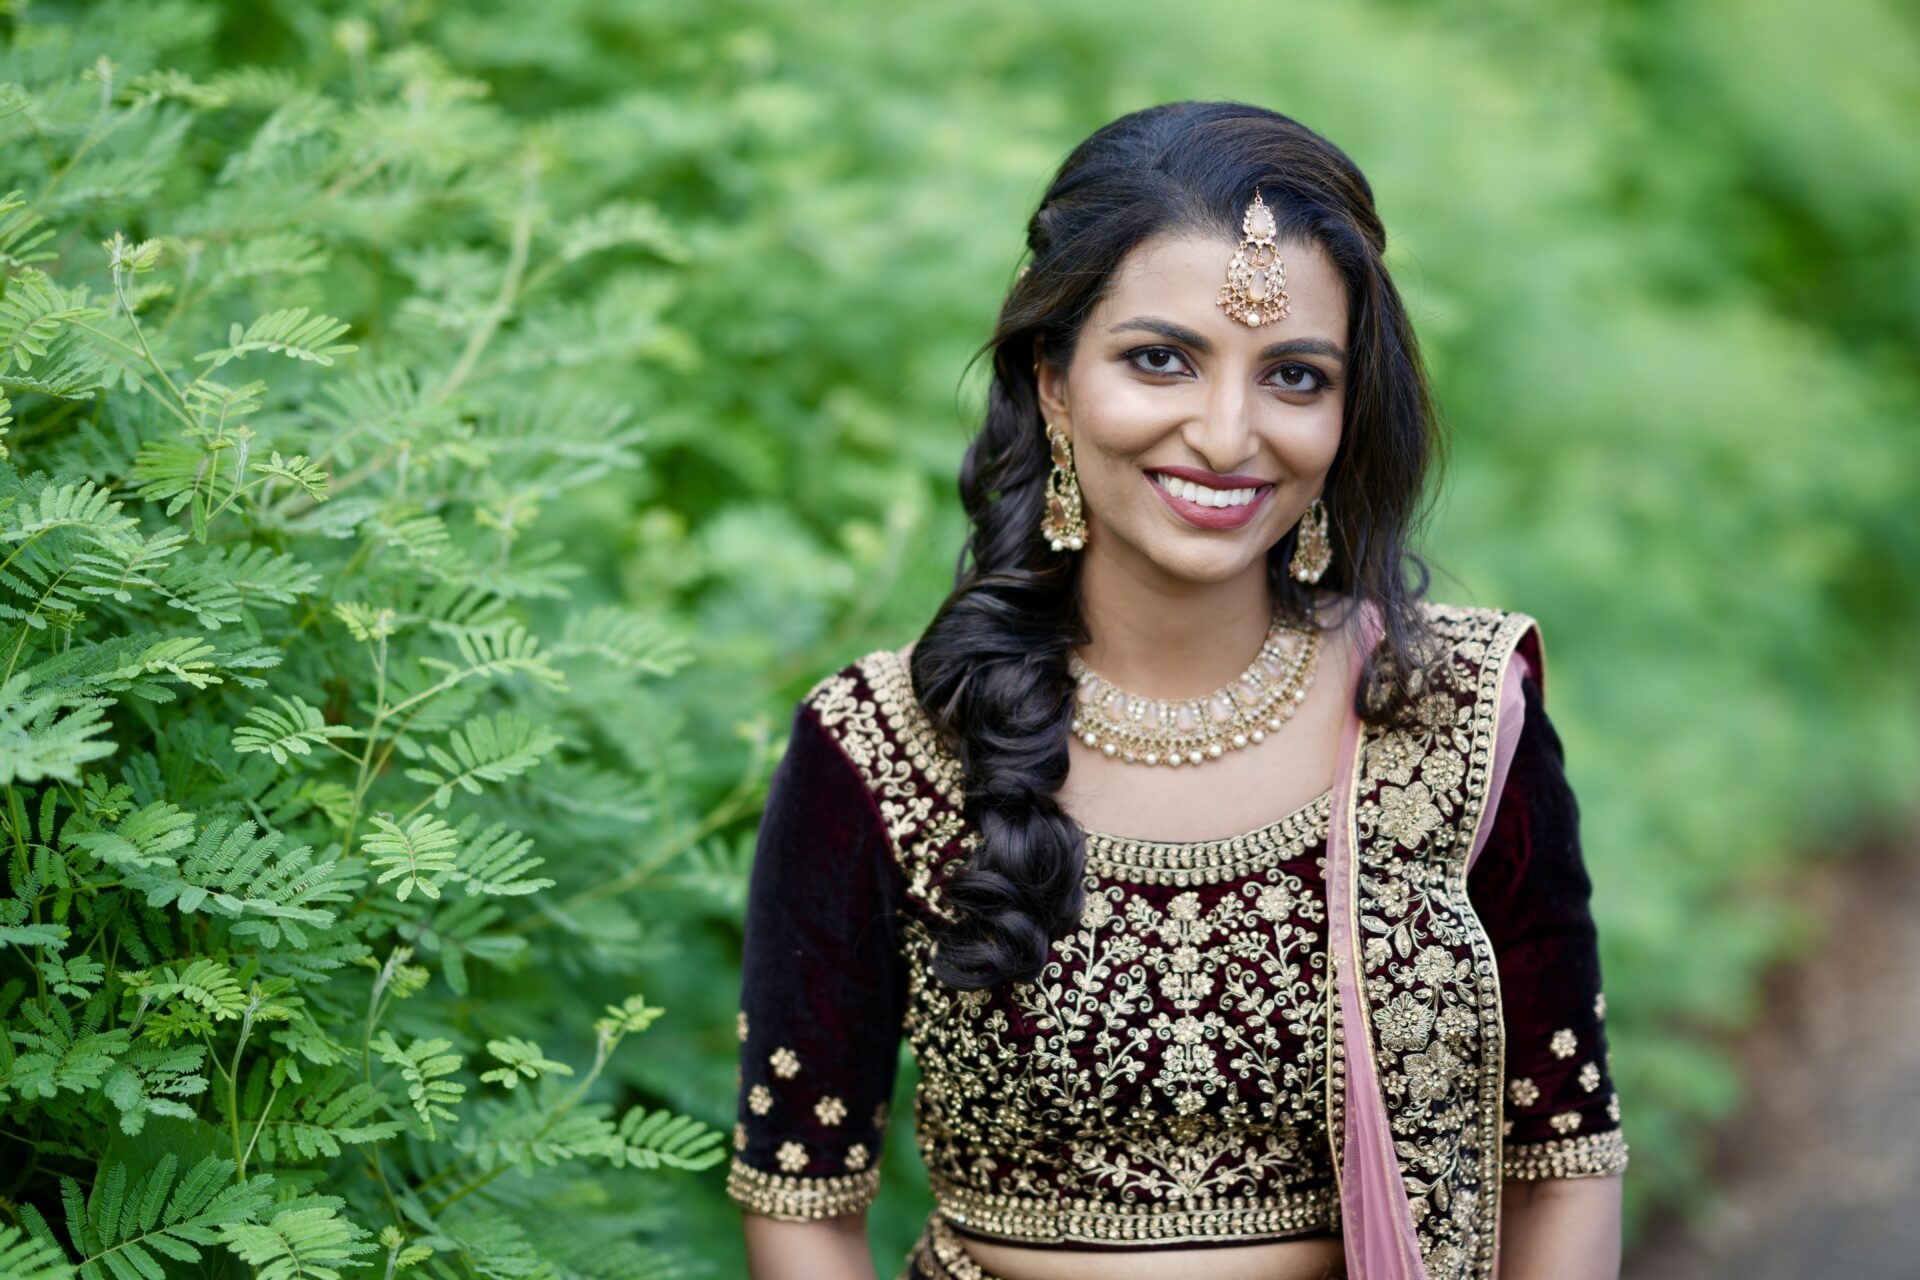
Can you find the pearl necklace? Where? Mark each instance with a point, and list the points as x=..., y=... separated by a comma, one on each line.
x=1178, y=731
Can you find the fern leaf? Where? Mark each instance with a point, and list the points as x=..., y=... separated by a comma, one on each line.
x=422, y=855
x=288, y=330
x=625, y=639
x=425, y=1066
x=307, y=1241
x=37, y=741
x=119, y=1229
x=485, y=750
x=59, y=1056
x=206, y=984
x=626, y=222
x=33, y=312
x=22, y=232
x=522, y=1058
x=496, y=862
x=26, y=1257
x=299, y=471
x=497, y=651
x=144, y=838
x=293, y=730
x=649, y=1139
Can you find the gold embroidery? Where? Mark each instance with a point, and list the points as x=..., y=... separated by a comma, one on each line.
x=786, y=1063
x=1190, y=863
x=760, y=1100
x=880, y=1117
x=740, y=1025
x=1565, y=1121
x=1523, y=1091
x=792, y=1157
x=857, y=1156
x=1613, y=1107
x=1032, y=1112
x=1564, y=1043
x=1590, y=1077
x=1590, y=1155
x=1430, y=983
x=1600, y=1005
x=739, y=1137
x=800, y=1199
x=830, y=1110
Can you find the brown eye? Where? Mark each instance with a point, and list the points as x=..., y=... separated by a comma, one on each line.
x=1156, y=360
x=1300, y=377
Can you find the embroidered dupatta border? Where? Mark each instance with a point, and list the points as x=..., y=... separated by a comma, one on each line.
x=1484, y=641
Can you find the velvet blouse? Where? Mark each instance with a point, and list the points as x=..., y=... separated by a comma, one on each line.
x=1161, y=1084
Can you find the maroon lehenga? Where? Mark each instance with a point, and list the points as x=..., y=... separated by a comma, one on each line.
x=1189, y=1069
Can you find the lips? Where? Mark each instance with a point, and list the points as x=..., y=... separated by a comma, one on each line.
x=1201, y=516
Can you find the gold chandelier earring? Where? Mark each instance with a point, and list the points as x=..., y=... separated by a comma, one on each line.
x=1312, y=549
x=1063, y=525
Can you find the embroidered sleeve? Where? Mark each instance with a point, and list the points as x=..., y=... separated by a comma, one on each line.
x=823, y=990
x=1531, y=890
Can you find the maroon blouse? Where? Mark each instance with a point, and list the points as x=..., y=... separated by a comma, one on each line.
x=1161, y=1085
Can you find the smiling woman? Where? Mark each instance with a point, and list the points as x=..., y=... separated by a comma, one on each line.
x=1228, y=892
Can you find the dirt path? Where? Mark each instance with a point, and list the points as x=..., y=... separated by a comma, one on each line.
x=1820, y=1173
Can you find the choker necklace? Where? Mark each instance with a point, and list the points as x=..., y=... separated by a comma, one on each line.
x=1177, y=731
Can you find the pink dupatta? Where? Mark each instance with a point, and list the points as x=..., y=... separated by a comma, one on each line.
x=1378, y=1232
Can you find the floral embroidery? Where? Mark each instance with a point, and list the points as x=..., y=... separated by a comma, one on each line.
x=740, y=1025
x=830, y=1110
x=786, y=1063
x=760, y=1100
x=1523, y=1091
x=1613, y=1107
x=880, y=1117
x=1565, y=1121
x=739, y=1137
x=1600, y=1004
x=857, y=1156
x=792, y=1157
x=1590, y=1077
x=1564, y=1044
x=1169, y=1073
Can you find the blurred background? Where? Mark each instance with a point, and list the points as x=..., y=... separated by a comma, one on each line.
x=1665, y=261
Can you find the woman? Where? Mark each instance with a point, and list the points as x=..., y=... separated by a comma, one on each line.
x=1228, y=893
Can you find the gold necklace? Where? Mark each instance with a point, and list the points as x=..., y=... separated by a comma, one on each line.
x=1177, y=731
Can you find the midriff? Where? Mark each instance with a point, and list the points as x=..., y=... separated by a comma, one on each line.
x=1313, y=1258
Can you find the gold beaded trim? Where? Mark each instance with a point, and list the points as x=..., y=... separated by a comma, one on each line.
x=1075, y=1221
x=801, y=1199
x=1197, y=862
x=1587, y=1156
x=939, y=1255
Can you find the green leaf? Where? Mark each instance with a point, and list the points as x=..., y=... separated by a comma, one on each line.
x=26, y=1257
x=421, y=855
x=293, y=730
x=288, y=330
x=485, y=750
x=425, y=1065
x=308, y=1240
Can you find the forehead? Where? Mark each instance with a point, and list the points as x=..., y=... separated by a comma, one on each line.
x=1177, y=277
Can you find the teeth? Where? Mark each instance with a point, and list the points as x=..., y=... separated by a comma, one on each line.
x=1203, y=496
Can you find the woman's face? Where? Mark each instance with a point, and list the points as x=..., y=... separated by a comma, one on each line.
x=1165, y=387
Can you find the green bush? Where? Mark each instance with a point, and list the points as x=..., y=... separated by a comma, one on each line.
x=322, y=663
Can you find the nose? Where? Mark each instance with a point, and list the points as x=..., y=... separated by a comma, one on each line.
x=1221, y=434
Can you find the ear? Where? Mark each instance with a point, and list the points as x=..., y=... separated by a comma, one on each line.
x=1051, y=388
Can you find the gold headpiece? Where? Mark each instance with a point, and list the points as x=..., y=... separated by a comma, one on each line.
x=1256, y=289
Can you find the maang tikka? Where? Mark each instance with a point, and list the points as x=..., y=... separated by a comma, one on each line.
x=1256, y=289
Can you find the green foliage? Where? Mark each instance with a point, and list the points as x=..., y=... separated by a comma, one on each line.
x=390, y=396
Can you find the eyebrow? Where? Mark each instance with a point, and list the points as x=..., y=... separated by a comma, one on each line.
x=1180, y=333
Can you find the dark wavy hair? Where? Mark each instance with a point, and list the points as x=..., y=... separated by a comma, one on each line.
x=991, y=668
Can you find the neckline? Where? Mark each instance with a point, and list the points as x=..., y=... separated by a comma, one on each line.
x=1197, y=862
x=1216, y=843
